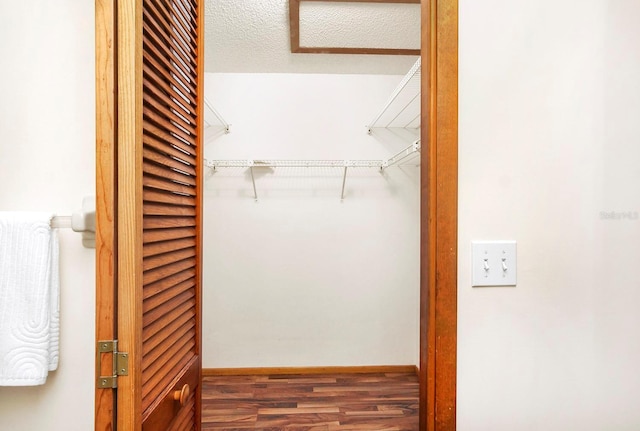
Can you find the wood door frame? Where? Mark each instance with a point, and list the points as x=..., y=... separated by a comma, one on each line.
x=129, y=207
x=439, y=215
x=439, y=193
x=106, y=247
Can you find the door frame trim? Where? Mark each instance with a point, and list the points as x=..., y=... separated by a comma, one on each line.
x=106, y=89
x=439, y=194
x=439, y=215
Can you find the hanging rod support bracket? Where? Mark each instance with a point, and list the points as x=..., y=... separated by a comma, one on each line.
x=253, y=180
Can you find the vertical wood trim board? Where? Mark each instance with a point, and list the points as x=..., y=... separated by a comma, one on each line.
x=439, y=222
x=105, y=203
x=129, y=204
x=427, y=225
x=447, y=214
x=200, y=103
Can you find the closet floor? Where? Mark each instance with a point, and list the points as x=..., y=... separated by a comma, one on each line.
x=328, y=402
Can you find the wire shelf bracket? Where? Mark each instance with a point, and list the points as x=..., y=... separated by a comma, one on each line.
x=212, y=110
x=403, y=107
x=402, y=155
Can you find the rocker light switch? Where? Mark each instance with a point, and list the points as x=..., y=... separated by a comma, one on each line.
x=493, y=263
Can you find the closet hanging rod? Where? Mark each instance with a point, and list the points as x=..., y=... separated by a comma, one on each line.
x=344, y=164
x=415, y=70
x=380, y=164
x=294, y=163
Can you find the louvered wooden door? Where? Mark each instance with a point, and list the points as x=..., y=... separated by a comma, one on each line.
x=157, y=181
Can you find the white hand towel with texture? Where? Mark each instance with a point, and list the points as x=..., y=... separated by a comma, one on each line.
x=29, y=298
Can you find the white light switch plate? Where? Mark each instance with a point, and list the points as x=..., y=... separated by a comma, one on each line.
x=493, y=263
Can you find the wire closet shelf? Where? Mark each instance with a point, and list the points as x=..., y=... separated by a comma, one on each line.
x=344, y=164
x=402, y=109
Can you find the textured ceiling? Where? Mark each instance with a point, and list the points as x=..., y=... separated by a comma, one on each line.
x=246, y=36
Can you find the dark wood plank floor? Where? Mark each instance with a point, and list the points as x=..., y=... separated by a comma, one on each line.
x=369, y=402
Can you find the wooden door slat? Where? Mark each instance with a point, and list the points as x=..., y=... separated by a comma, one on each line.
x=164, y=342
x=155, y=235
x=162, y=105
x=160, y=286
x=173, y=140
x=153, y=155
x=160, y=261
x=176, y=33
x=167, y=270
x=171, y=64
x=163, y=71
x=166, y=125
x=171, y=37
x=166, y=364
x=157, y=326
x=166, y=173
x=154, y=195
x=168, y=222
x=155, y=83
x=187, y=29
x=155, y=346
x=185, y=21
x=167, y=295
x=168, y=148
x=185, y=35
x=193, y=7
x=171, y=328
x=161, y=184
x=190, y=15
x=165, y=44
x=158, y=303
x=167, y=14
x=161, y=95
x=154, y=209
x=162, y=247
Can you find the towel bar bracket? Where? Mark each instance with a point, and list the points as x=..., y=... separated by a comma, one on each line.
x=119, y=366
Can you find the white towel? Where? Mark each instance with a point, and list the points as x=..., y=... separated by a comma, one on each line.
x=29, y=298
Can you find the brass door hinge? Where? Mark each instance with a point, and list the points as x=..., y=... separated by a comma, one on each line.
x=120, y=364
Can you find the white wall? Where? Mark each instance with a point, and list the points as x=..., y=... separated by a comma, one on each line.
x=300, y=278
x=550, y=139
x=549, y=101
x=47, y=140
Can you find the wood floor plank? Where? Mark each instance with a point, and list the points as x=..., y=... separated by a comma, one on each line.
x=298, y=410
x=331, y=402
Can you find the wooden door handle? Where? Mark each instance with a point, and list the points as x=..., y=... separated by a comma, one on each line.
x=182, y=395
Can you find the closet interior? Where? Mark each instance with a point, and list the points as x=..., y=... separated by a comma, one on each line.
x=311, y=233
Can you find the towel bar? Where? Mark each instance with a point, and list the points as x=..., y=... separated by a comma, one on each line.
x=83, y=221
x=60, y=222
